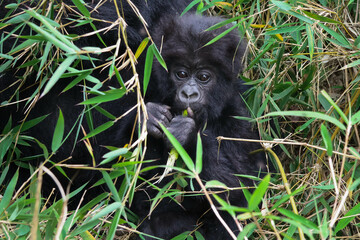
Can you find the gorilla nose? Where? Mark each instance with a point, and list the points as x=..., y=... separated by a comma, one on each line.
x=189, y=94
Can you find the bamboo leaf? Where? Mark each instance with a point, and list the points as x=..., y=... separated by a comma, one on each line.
x=148, y=67
x=309, y=114
x=58, y=132
x=57, y=74
x=99, y=129
x=199, y=155
x=184, y=155
x=259, y=193
x=108, y=96
x=327, y=139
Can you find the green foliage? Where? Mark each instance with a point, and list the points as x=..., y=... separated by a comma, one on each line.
x=303, y=72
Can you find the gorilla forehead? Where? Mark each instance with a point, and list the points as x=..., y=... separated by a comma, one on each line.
x=183, y=39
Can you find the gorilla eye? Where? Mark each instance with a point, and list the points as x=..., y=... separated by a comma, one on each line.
x=182, y=74
x=204, y=77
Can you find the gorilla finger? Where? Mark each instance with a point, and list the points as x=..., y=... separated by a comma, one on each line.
x=155, y=131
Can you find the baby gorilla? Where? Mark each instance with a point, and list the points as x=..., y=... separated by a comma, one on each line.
x=202, y=79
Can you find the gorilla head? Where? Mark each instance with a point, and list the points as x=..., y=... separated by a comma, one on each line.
x=201, y=76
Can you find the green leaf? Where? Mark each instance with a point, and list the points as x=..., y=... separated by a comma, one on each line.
x=311, y=41
x=50, y=24
x=221, y=35
x=159, y=57
x=282, y=5
x=29, y=124
x=298, y=218
x=81, y=7
x=148, y=67
x=58, y=132
x=327, y=140
x=199, y=154
x=59, y=71
x=114, y=154
x=320, y=18
x=347, y=218
x=108, y=96
x=259, y=193
x=111, y=186
x=309, y=114
x=350, y=65
x=336, y=107
x=184, y=155
x=192, y=4
x=337, y=36
x=9, y=190
x=215, y=184
x=99, y=129
x=96, y=218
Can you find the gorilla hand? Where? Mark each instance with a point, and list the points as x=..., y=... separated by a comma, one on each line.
x=183, y=129
x=157, y=113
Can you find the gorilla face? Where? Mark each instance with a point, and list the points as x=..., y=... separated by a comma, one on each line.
x=192, y=85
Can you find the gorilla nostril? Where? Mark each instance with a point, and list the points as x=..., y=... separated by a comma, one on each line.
x=189, y=96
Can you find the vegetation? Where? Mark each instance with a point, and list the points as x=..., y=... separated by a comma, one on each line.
x=303, y=68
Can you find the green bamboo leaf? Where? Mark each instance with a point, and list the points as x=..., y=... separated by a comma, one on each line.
x=82, y=8
x=78, y=79
x=184, y=155
x=111, y=186
x=347, y=218
x=29, y=124
x=192, y=4
x=221, y=35
x=44, y=58
x=57, y=74
x=225, y=22
x=320, y=18
x=9, y=190
x=311, y=41
x=215, y=184
x=336, y=107
x=159, y=57
x=19, y=19
x=51, y=38
x=350, y=65
x=309, y=114
x=248, y=229
x=97, y=218
x=114, y=226
x=99, y=129
x=58, y=132
x=148, y=67
x=259, y=56
x=199, y=155
x=108, y=96
x=298, y=218
x=327, y=140
x=259, y=193
x=282, y=5
x=114, y=154
x=50, y=24
x=336, y=35
x=5, y=56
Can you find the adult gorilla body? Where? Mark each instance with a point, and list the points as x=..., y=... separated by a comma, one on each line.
x=203, y=80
